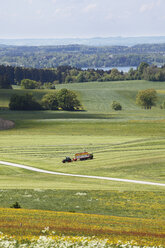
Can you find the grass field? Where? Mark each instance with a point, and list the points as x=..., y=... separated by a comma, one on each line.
x=120, y=150
x=126, y=144
x=133, y=204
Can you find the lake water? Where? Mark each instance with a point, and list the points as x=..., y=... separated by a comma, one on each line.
x=120, y=68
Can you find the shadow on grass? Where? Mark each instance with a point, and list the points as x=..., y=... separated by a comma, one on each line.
x=43, y=115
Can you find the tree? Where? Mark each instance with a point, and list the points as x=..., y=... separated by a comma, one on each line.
x=80, y=77
x=146, y=98
x=50, y=101
x=30, y=84
x=4, y=82
x=23, y=102
x=69, y=79
x=116, y=106
x=67, y=100
x=142, y=67
x=116, y=75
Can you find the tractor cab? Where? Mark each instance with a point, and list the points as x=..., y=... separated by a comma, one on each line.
x=67, y=159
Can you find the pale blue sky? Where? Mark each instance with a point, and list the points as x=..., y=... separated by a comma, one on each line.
x=81, y=18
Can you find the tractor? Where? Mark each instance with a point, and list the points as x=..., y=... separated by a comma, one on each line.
x=67, y=159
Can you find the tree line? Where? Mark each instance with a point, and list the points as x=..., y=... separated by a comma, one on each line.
x=48, y=78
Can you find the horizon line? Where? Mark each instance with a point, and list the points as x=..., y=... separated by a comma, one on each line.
x=93, y=37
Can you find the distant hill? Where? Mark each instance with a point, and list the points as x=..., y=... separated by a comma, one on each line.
x=97, y=41
x=81, y=56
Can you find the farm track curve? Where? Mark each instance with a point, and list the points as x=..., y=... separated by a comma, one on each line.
x=77, y=175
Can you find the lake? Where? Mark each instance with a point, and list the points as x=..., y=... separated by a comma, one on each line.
x=120, y=68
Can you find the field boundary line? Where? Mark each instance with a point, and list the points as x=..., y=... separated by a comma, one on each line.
x=77, y=175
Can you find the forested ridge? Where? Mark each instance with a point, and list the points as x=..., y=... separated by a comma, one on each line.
x=81, y=56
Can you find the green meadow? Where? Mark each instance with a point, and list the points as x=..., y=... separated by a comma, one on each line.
x=128, y=144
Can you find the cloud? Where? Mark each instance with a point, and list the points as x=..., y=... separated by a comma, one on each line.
x=30, y=1
x=38, y=12
x=159, y=2
x=90, y=7
x=109, y=16
x=147, y=7
x=64, y=12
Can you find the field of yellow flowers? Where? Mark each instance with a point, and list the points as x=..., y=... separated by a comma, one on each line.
x=37, y=228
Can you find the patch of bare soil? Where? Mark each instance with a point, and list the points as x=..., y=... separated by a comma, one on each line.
x=6, y=124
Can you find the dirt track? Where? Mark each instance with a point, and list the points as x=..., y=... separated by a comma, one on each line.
x=82, y=176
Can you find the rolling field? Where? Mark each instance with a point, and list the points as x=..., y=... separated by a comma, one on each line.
x=128, y=144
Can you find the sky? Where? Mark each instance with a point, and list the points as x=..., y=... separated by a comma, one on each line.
x=81, y=18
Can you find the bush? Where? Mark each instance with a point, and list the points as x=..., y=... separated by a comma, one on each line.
x=67, y=100
x=30, y=84
x=162, y=106
x=16, y=205
x=116, y=106
x=23, y=102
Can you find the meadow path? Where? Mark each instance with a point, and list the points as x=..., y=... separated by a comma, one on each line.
x=76, y=175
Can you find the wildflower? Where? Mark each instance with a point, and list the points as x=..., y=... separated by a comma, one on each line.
x=45, y=230
x=81, y=193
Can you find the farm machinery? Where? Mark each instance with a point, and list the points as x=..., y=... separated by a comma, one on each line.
x=78, y=156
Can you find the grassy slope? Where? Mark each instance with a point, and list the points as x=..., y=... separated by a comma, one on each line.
x=122, y=148
x=97, y=96
x=126, y=144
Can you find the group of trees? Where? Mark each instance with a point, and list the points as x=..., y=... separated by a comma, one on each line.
x=24, y=102
x=63, y=99
x=41, y=78
x=14, y=75
x=147, y=72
